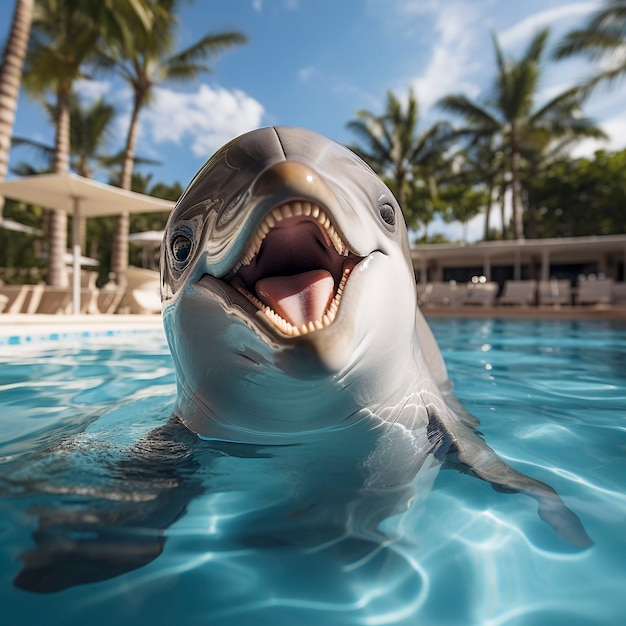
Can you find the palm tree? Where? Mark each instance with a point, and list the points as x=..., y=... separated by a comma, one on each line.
x=602, y=38
x=63, y=41
x=10, y=79
x=513, y=120
x=63, y=37
x=145, y=61
x=90, y=130
x=392, y=146
x=463, y=203
x=422, y=203
x=480, y=164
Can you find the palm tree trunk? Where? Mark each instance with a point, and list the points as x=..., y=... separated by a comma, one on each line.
x=119, y=252
x=488, y=212
x=503, y=209
x=10, y=79
x=401, y=189
x=57, y=223
x=516, y=199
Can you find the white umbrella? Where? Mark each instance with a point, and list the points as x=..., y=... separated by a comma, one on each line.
x=80, y=197
x=19, y=228
x=149, y=241
x=84, y=261
x=147, y=238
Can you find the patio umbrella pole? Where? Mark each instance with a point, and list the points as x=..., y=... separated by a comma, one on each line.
x=77, y=253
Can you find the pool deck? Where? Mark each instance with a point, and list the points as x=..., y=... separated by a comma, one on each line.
x=599, y=312
x=42, y=326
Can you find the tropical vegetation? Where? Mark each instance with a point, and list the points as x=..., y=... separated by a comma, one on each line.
x=508, y=142
x=393, y=148
x=145, y=59
x=72, y=40
x=506, y=148
x=10, y=78
x=603, y=40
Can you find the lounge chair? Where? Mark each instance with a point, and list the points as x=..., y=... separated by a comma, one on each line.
x=109, y=298
x=619, y=294
x=445, y=294
x=88, y=292
x=519, y=292
x=142, y=291
x=595, y=291
x=54, y=300
x=481, y=294
x=3, y=302
x=555, y=292
x=21, y=298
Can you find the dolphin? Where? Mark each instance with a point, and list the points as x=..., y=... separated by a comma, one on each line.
x=290, y=310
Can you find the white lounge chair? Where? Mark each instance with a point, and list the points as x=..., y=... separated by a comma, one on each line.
x=21, y=298
x=109, y=298
x=519, y=292
x=595, y=291
x=481, y=294
x=555, y=292
x=88, y=291
x=143, y=294
x=445, y=294
x=54, y=300
x=619, y=294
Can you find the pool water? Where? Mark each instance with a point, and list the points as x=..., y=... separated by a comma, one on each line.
x=105, y=519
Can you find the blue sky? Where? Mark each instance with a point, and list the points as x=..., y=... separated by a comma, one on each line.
x=314, y=63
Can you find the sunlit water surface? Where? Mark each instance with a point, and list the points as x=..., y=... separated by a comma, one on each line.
x=202, y=534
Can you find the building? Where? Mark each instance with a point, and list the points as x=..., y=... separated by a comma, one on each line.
x=539, y=259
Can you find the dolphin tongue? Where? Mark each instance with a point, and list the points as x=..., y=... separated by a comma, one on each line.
x=298, y=299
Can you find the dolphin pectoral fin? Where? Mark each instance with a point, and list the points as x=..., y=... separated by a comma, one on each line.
x=469, y=453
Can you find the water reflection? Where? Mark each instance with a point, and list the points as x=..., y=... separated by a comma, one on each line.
x=306, y=526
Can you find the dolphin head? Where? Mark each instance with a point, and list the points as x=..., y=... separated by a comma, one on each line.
x=288, y=292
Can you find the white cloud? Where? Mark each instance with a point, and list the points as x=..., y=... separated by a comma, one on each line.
x=615, y=128
x=453, y=57
x=206, y=119
x=524, y=30
x=306, y=73
x=92, y=90
x=257, y=5
x=415, y=7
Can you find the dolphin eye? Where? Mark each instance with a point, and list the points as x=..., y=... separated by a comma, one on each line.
x=181, y=248
x=387, y=214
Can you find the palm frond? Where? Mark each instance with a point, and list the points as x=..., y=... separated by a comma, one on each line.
x=536, y=47
x=205, y=48
x=477, y=116
x=375, y=153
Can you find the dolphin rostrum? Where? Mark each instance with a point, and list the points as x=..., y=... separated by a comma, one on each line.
x=289, y=305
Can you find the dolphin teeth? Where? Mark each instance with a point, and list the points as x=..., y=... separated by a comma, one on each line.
x=283, y=325
x=286, y=211
x=299, y=209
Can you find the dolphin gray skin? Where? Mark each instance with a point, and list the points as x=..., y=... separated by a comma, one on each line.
x=289, y=305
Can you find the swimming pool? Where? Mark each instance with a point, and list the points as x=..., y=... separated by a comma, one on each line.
x=98, y=527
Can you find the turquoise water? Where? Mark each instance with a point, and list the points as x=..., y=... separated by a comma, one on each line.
x=102, y=521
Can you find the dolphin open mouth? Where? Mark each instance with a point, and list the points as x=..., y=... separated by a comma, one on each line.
x=295, y=268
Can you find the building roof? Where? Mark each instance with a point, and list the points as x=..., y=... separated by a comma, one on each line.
x=505, y=252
